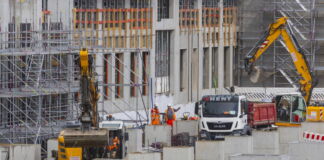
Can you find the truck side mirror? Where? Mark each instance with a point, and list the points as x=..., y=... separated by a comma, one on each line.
x=196, y=108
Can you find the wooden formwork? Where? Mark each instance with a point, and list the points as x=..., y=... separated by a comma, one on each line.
x=210, y=25
x=120, y=28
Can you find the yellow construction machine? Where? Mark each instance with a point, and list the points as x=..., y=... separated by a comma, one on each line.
x=291, y=107
x=86, y=141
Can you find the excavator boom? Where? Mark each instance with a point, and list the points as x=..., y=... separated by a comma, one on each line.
x=277, y=29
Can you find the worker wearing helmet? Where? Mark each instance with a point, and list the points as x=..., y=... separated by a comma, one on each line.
x=113, y=148
x=155, y=115
x=170, y=116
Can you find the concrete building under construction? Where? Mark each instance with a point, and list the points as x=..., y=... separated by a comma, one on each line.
x=145, y=51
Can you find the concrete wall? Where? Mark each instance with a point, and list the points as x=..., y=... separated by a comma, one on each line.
x=287, y=135
x=157, y=133
x=258, y=157
x=186, y=126
x=144, y=156
x=178, y=153
x=306, y=151
x=235, y=145
x=21, y=151
x=209, y=150
x=134, y=144
x=265, y=142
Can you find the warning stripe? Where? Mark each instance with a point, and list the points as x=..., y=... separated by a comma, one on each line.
x=264, y=44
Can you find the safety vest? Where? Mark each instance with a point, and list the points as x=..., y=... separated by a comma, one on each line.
x=155, y=117
x=166, y=115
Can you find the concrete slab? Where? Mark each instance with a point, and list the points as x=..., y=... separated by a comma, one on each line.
x=266, y=142
x=237, y=144
x=158, y=133
x=209, y=150
x=306, y=151
x=178, y=153
x=259, y=157
x=186, y=126
x=134, y=144
x=287, y=135
x=144, y=156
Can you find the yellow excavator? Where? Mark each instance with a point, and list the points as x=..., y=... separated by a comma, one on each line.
x=86, y=141
x=291, y=108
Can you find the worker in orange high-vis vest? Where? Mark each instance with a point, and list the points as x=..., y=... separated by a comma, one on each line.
x=114, y=147
x=155, y=115
x=170, y=115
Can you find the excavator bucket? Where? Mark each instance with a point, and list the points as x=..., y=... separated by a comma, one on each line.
x=258, y=74
x=90, y=138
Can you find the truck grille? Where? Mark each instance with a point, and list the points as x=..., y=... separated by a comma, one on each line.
x=219, y=126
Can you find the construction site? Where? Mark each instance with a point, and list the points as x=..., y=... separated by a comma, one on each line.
x=161, y=79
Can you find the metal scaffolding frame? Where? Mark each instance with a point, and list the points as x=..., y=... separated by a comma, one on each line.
x=39, y=73
x=302, y=16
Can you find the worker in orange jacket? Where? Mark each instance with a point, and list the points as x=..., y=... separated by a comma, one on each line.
x=155, y=115
x=170, y=115
x=113, y=148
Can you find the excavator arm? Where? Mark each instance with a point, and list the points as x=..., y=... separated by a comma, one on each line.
x=281, y=28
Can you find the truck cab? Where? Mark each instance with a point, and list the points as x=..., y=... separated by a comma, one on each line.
x=222, y=115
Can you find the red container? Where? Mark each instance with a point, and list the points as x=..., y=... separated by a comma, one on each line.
x=262, y=114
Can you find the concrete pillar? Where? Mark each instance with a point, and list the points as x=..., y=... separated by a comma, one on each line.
x=112, y=74
x=210, y=65
x=152, y=51
x=126, y=75
x=221, y=47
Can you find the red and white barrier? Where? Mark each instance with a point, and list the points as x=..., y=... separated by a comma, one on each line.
x=313, y=137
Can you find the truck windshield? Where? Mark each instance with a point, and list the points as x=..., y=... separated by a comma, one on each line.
x=220, y=109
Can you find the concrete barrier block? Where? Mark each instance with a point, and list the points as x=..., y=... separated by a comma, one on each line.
x=189, y=126
x=266, y=142
x=144, y=156
x=306, y=151
x=25, y=151
x=134, y=144
x=259, y=157
x=287, y=135
x=178, y=153
x=209, y=150
x=52, y=145
x=316, y=127
x=237, y=144
x=158, y=133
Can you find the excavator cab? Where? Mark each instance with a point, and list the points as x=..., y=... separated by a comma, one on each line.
x=291, y=109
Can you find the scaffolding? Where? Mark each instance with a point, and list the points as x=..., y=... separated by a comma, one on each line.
x=39, y=70
x=255, y=16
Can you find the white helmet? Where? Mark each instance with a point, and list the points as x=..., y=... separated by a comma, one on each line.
x=155, y=104
x=169, y=105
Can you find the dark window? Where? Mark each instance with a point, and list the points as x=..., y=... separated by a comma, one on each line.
x=11, y=35
x=163, y=9
x=140, y=3
x=44, y=5
x=113, y=4
x=85, y=4
x=187, y=4
x=25, y=34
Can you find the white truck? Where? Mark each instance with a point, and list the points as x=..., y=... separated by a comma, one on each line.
x=222, y=115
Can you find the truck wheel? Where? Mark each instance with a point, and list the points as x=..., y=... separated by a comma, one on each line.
x=247, y=130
